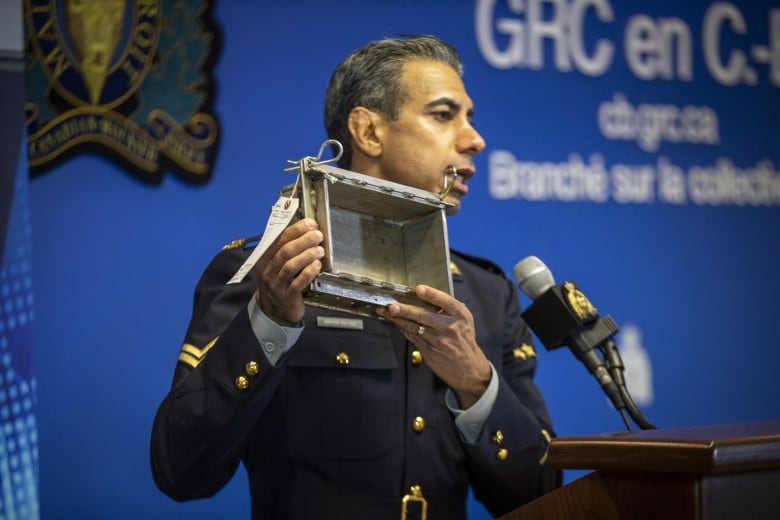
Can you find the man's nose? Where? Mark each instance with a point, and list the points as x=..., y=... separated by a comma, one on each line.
x=471, y=141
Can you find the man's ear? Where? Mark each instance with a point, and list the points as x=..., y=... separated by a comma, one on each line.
x=364, y=125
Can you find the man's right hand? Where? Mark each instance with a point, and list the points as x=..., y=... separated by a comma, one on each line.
x=286, y=268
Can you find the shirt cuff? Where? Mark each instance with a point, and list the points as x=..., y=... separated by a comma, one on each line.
x=471, y=420
x=275, y=339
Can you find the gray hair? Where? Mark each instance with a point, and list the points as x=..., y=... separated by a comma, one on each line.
x=371, y=77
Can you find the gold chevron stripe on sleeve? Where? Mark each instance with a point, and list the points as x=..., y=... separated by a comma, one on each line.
x=192, y=355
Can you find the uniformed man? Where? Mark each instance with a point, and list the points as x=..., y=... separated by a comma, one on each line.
x=384, y=417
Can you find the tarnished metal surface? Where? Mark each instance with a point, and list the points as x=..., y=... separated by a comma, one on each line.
x=381, y=239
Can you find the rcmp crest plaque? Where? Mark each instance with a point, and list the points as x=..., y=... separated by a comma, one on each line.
x=128, y=79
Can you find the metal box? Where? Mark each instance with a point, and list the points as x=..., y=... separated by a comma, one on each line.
x=381, y=239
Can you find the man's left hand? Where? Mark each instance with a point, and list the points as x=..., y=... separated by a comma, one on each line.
x=447, y=341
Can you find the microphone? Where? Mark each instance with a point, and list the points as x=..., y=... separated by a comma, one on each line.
x=561, y=315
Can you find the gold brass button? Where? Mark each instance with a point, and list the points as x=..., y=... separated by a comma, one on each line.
x=418, y=424
x=498, y=437
x=502, y=454
x=242, y=383
x=342, y=358
x=416, y=357
x=252, y=368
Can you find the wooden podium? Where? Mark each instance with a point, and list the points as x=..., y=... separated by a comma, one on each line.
x=703, y=472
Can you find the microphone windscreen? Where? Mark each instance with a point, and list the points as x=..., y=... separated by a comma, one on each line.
x=533, y=277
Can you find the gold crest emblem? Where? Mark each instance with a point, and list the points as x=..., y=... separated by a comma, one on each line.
x=95, y=28
x=104, y=76
x=578, y=302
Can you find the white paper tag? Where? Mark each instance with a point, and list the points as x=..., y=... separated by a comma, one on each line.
x=281, y=214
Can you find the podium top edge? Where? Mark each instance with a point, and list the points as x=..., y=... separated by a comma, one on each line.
x=731, y=432
x=695, y=449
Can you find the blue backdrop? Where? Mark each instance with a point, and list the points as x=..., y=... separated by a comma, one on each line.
x=633, y=147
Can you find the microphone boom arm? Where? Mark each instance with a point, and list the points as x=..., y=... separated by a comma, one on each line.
x=561, y=315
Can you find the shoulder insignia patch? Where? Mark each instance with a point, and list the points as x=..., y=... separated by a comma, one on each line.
x=524, y=351
x=242, y=243
x=235, y=244
x=483, y=263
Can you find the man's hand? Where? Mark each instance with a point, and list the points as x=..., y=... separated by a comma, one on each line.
x=447, y=341
x=286, y=268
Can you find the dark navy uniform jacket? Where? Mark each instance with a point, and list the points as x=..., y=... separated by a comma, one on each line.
x=348, y=421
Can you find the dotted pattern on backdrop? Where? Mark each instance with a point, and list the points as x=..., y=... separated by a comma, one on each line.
x=18, y=401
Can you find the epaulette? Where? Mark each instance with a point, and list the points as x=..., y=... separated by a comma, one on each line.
x=242, y=243
x=484, y=263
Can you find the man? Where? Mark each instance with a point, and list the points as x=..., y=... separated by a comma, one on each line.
x=363, y=423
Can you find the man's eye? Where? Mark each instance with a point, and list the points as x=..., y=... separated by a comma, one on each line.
x=443, y=115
